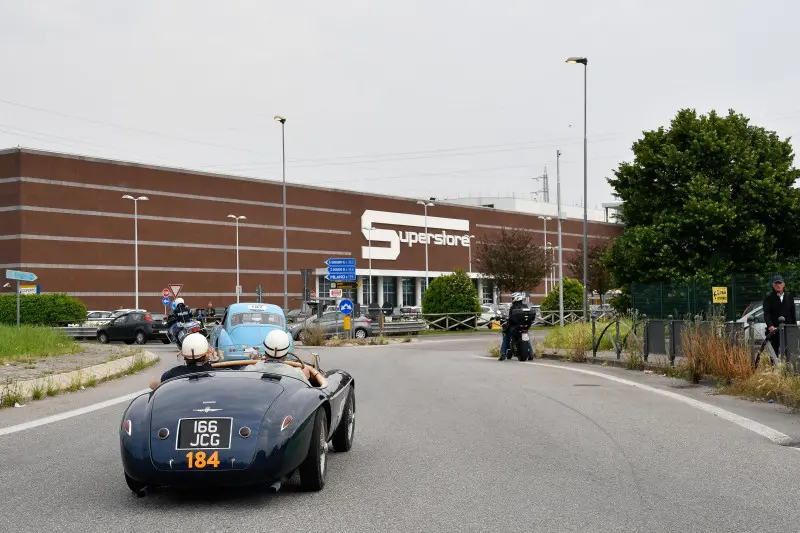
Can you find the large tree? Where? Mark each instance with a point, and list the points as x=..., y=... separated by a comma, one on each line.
x=599, y=276
x=512, y=260
x=709, y=196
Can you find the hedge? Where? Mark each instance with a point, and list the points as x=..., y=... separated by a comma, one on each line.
x=42, y=309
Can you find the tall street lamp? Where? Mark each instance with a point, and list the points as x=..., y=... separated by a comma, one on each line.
x=369, y=229
x=469, y=248
x=545, y=219
x=585, y=62
x=560, y=258
x=238, y=286
x=136, y=239
x=282, y=120
x=425, y=206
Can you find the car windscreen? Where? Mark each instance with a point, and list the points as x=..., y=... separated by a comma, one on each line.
x=257, y=318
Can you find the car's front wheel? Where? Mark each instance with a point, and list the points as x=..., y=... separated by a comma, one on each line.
x=102, y=337
x=141, y=338
x=134, y=485
x=361, y=333
x=314, y=468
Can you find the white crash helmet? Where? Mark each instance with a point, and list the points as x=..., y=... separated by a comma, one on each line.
x=517, y=296
x=178, y=301
x=276, y=344
x=194, y=346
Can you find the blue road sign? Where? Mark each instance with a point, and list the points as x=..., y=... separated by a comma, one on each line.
x=342, y=277
x=173, y=305
x=341, y=270
x=346, y=261
x=21, y=276
x=165, y=300
x=346, y=307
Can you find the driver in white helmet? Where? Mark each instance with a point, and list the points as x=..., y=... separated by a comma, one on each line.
x=197, y=354
x=276, y=348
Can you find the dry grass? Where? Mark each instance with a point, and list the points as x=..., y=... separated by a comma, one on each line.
x=769, y=383
x=313, y=336
x=494, y=350
x=579, y=340
x=715, y=355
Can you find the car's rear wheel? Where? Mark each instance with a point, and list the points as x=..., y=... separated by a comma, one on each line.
x=102, y=337
x=343, y=438
x=141, y=338
x=361, y=333
x=134, y=485
x=314, y=468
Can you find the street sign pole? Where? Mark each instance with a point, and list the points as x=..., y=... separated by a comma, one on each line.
x=17, y=303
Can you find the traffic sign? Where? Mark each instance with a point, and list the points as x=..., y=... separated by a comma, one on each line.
x=165, y=293
x=165, y=300
x=336, y=261
x=346, y=284
x=336, y=293
x=387, y=308
x=21, y=276
x=29, y=289
x=342, y=270
x=173, y=305
x=346, y=307
x=342, y=277
x=175, y=288
x=347, y=322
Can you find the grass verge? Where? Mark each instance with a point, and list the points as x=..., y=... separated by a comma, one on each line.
x=32, y=342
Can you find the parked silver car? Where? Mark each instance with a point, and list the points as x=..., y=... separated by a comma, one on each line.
x=332, y=323
x=759, y=326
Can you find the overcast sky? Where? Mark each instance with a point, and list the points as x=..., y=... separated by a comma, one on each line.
x=415, y=98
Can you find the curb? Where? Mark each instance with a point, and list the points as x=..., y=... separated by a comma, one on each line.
x=67, y=379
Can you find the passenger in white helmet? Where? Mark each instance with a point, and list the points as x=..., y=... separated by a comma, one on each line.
x=276, y=348
x=517, y=302
x=198, y=356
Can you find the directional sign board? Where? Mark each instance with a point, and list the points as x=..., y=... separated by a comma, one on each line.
x=175, y=288
x=346, y=261
x=346, y=285
x=165, y=300
x=173, y=305
x=21, y=276
x=346, y=307
x=165, y=293
x=342, y=277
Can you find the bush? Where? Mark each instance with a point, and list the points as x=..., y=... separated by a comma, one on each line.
x=713, y=354
x=314, y=336
x=562, y=338
x=573, y=297
x=51, y=310
x=453, y=293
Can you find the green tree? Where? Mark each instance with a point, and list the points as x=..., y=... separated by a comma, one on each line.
x=709, y=196
x=512, y=260
x=573, y=297
x=453, y=293
x=42, y=309
x=599, y=275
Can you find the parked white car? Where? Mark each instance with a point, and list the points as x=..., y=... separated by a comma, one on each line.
x=759, y=326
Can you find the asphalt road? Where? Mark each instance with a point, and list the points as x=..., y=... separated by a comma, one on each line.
x=446, y=440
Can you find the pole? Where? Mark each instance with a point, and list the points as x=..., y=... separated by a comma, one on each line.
x=237, y=261
x=427, y=277
x=17, y=303
x=544, y=220
x=560, y=271
x=285, y=275
x=469, y=250
x=370, y=266
x=136, y=247
x=585, y=206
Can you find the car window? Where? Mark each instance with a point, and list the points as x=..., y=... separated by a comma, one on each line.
x=122, y=319
x=136, y=317
x=93, y=316
x=271, y=319
x=329, y=316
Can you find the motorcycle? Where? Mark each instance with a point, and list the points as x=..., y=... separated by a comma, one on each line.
x=179, y=331
x=520, y=320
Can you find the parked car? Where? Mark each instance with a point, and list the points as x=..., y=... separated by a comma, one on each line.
x=244, y=327
x=756, y=310
x=297, y=315
x=97, y=318
x=138, y=327
x=487, y=316
x=332, y=323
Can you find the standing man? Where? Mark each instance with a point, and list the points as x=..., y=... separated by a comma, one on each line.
x=778, y=303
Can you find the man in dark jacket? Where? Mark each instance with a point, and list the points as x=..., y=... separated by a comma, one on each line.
x=778, y=303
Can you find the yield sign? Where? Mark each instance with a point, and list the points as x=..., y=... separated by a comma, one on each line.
x=175, y=288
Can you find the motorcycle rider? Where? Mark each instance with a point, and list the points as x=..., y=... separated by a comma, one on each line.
x=197, y=354
x=276, y=348
x=516, y=303
x=181, y=313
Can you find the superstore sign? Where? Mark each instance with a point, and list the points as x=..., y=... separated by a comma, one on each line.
x=440, y=233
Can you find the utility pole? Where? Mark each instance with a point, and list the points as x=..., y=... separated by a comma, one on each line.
x=545, y=190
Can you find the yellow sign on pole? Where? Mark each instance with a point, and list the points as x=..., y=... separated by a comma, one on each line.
x=347, y=322
x=720, y=295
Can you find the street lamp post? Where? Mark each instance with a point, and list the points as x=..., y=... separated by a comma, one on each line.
x=282, y=120
x=369, y=229
x=560, y=259
x=545, y=219
x=585, y=62
x=426, y=205
x=136, y=239
x=237, y=219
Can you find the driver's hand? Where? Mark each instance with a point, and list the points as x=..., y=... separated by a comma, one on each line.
x=771, y=329
x=307, y=372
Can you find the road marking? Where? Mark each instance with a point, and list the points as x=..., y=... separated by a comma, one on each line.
x=70, y=414
x=765, y=431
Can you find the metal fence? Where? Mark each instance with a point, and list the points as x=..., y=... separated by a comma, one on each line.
x=660, y=300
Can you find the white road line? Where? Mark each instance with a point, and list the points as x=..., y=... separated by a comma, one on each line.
x=765, y=431
x=69, y=414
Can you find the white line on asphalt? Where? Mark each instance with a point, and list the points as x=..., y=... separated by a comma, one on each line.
x=70, y=414
x=765, y=431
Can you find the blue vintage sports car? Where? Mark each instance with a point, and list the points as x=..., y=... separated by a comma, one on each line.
x=233, y=427
x=243, y=329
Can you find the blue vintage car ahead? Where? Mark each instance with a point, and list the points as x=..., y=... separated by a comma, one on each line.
x=244, y=327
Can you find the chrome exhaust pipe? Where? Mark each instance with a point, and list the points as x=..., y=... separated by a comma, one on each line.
x=275, y=487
